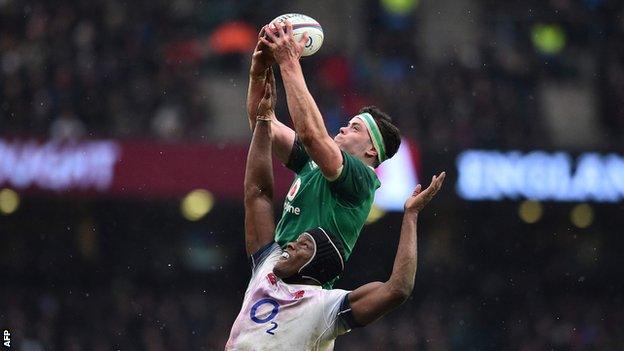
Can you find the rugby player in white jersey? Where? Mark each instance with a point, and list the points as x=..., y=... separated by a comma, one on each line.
x=285, y=307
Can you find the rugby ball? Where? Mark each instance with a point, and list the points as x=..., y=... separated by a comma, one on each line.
x=301, y=24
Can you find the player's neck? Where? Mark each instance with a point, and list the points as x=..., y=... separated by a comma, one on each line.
x=367, y=161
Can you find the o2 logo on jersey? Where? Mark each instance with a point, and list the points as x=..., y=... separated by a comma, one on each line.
x=264, y=305
x=294, y=189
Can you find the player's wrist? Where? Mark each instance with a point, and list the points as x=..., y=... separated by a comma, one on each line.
x=257, y=75
x=289, y=64
x=266, y=114
x=411, y=214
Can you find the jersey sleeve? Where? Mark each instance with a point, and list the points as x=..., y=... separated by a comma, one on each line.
x=259, y=257
x=333, y=311
x=298, y=156
x=355, y=183
x=345, y=315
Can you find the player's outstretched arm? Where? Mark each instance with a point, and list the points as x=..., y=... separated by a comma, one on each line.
x=261, y=61
x=304, y=112
x=259, y=217
x=371, y=301
x=260, y=74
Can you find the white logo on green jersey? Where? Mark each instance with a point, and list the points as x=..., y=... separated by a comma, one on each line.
x=294, y=189
x=288, y=207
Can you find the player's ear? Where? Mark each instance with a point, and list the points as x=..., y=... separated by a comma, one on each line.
x=371, y=152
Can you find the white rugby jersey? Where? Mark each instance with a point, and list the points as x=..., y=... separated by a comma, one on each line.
x=280, y=316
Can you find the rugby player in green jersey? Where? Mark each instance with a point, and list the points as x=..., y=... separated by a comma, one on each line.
x=335, y=181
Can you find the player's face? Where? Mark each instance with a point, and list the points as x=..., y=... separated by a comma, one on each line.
x=354, y=138
x=295, y=255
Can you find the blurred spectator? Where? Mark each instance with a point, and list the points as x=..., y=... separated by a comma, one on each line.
x=485, y=281
x=167, y=123
x=181, y=319
x=67, y=126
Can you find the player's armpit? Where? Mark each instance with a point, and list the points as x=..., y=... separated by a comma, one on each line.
x=298, y=156
x=283, y=140
x=345, y=316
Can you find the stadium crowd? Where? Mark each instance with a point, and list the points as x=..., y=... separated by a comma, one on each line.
x=492, y=284
x=129, y=317
x=133, y=318
x=138, y=70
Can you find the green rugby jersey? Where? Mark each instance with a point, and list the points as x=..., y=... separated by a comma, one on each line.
x=340, y=206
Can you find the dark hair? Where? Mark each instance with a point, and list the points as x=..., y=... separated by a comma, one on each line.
x=389, y=132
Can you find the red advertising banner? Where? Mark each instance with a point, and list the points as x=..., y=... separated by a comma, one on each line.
x=126, y=169
x=148, y=170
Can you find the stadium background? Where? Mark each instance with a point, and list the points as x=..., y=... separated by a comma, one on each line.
x=102, y=269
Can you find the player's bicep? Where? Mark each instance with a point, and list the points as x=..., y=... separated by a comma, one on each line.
x=326, y=154
x=259, y=223
x=371, y=301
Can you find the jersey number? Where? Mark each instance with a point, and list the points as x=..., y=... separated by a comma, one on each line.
x=274, y=311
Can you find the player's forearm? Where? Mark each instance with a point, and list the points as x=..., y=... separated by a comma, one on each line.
x=371, y=301
x=259, y=167
x=255, y=91
x=404, y=270
x=304, y=112
x=282, y=136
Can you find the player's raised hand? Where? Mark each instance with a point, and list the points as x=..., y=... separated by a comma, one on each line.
x=280, y=39
x=266, y=107
x=420, y=198
x=262, y=57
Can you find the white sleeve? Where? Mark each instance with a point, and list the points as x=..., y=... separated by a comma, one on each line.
x=258, y=258
x=262, y=262
x=331, y=309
